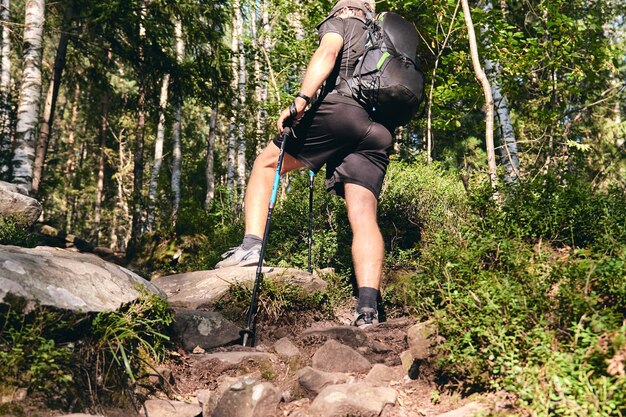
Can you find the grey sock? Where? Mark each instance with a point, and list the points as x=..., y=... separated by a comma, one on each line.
x=368, y=297
x=250, y=241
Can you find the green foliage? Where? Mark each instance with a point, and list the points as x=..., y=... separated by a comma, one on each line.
x=529, y=297
x=133, y=334
x=30, y=353
x=13, y=232
x=80, y=358
x=278, y=302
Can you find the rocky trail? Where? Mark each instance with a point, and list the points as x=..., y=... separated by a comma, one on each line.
x=314, y=366
x=328, y=369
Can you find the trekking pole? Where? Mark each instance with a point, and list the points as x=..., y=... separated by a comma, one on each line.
x=248, y=332
x=311, y=181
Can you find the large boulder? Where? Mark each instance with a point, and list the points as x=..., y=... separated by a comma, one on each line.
x=203, y=288
x=67, y=280
x=14, y=201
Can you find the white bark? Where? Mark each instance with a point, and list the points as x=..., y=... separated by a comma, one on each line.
x=158, y=153
x=210, y=155
x=241, y=137
x=232, y=133
x=176, y=127
x=508, y=143
x=482, y=79
x=5, y=91
x=30, y=94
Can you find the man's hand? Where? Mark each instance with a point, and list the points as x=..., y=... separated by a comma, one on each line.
x=286, y=119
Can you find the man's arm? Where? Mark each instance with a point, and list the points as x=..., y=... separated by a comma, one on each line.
x=319, y=68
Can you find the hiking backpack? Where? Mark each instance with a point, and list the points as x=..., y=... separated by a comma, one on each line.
x=387, y=80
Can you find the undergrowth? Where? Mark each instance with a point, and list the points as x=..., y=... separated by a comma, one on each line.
x=529, y=297
x=77, y=361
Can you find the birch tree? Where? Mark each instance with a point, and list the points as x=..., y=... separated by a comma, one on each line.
x=158, y=153
x=508, y=143
x=241, y=131
x=176, y=126
x=232, y=132
x=482, y=79
x=5, y=91
x=30, y=94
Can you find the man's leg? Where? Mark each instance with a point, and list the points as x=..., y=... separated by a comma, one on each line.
x=259, y=189
x=368, y=248
x=256, y=202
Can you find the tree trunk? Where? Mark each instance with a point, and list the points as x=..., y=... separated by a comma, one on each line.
x=5, y=93
x=30, y=94
x=121, y=205
x=176, y=126
x=210, y=174
x=241, y=137
x=158, y=154
x=70, y=163
x=136, y=224
x=232, y=134
x=508, y=143
x=482, y=79
x=101, y=167
x=51, y=100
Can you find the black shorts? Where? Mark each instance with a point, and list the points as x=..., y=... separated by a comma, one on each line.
x=341, y=134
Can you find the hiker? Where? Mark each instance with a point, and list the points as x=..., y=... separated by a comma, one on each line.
x=336, y=131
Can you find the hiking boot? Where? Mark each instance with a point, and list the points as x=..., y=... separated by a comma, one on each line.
x=239, y=256
x=365, y=317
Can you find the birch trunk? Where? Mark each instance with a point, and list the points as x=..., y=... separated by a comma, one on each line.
x=101, y=167
x=482, y=79
x=210, y=173
x=232, y=132
x=136, y=224
x=30, y=94
x=241, y=138
x=121, y=205
x=51, y=100
x=5, y=92
x=176, y=126
x=508, y=143
x=158, y=153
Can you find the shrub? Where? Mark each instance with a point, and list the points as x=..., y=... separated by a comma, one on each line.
x=13, y=232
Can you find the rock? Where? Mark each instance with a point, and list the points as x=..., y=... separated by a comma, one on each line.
x=204, y=329
x=468, y=410
x=420, y=339
x=58, y=238
x=248, y=398
x=303, y=279
x=348, y=335
x=14, y=201
x=380, y=375
x=357, y=399
x=66, y=280
x=203, y=288
x=285, y=347
x=313, y=381
x=409, y=364
x=235, y=358
x=165, y=408
x=335, y=357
